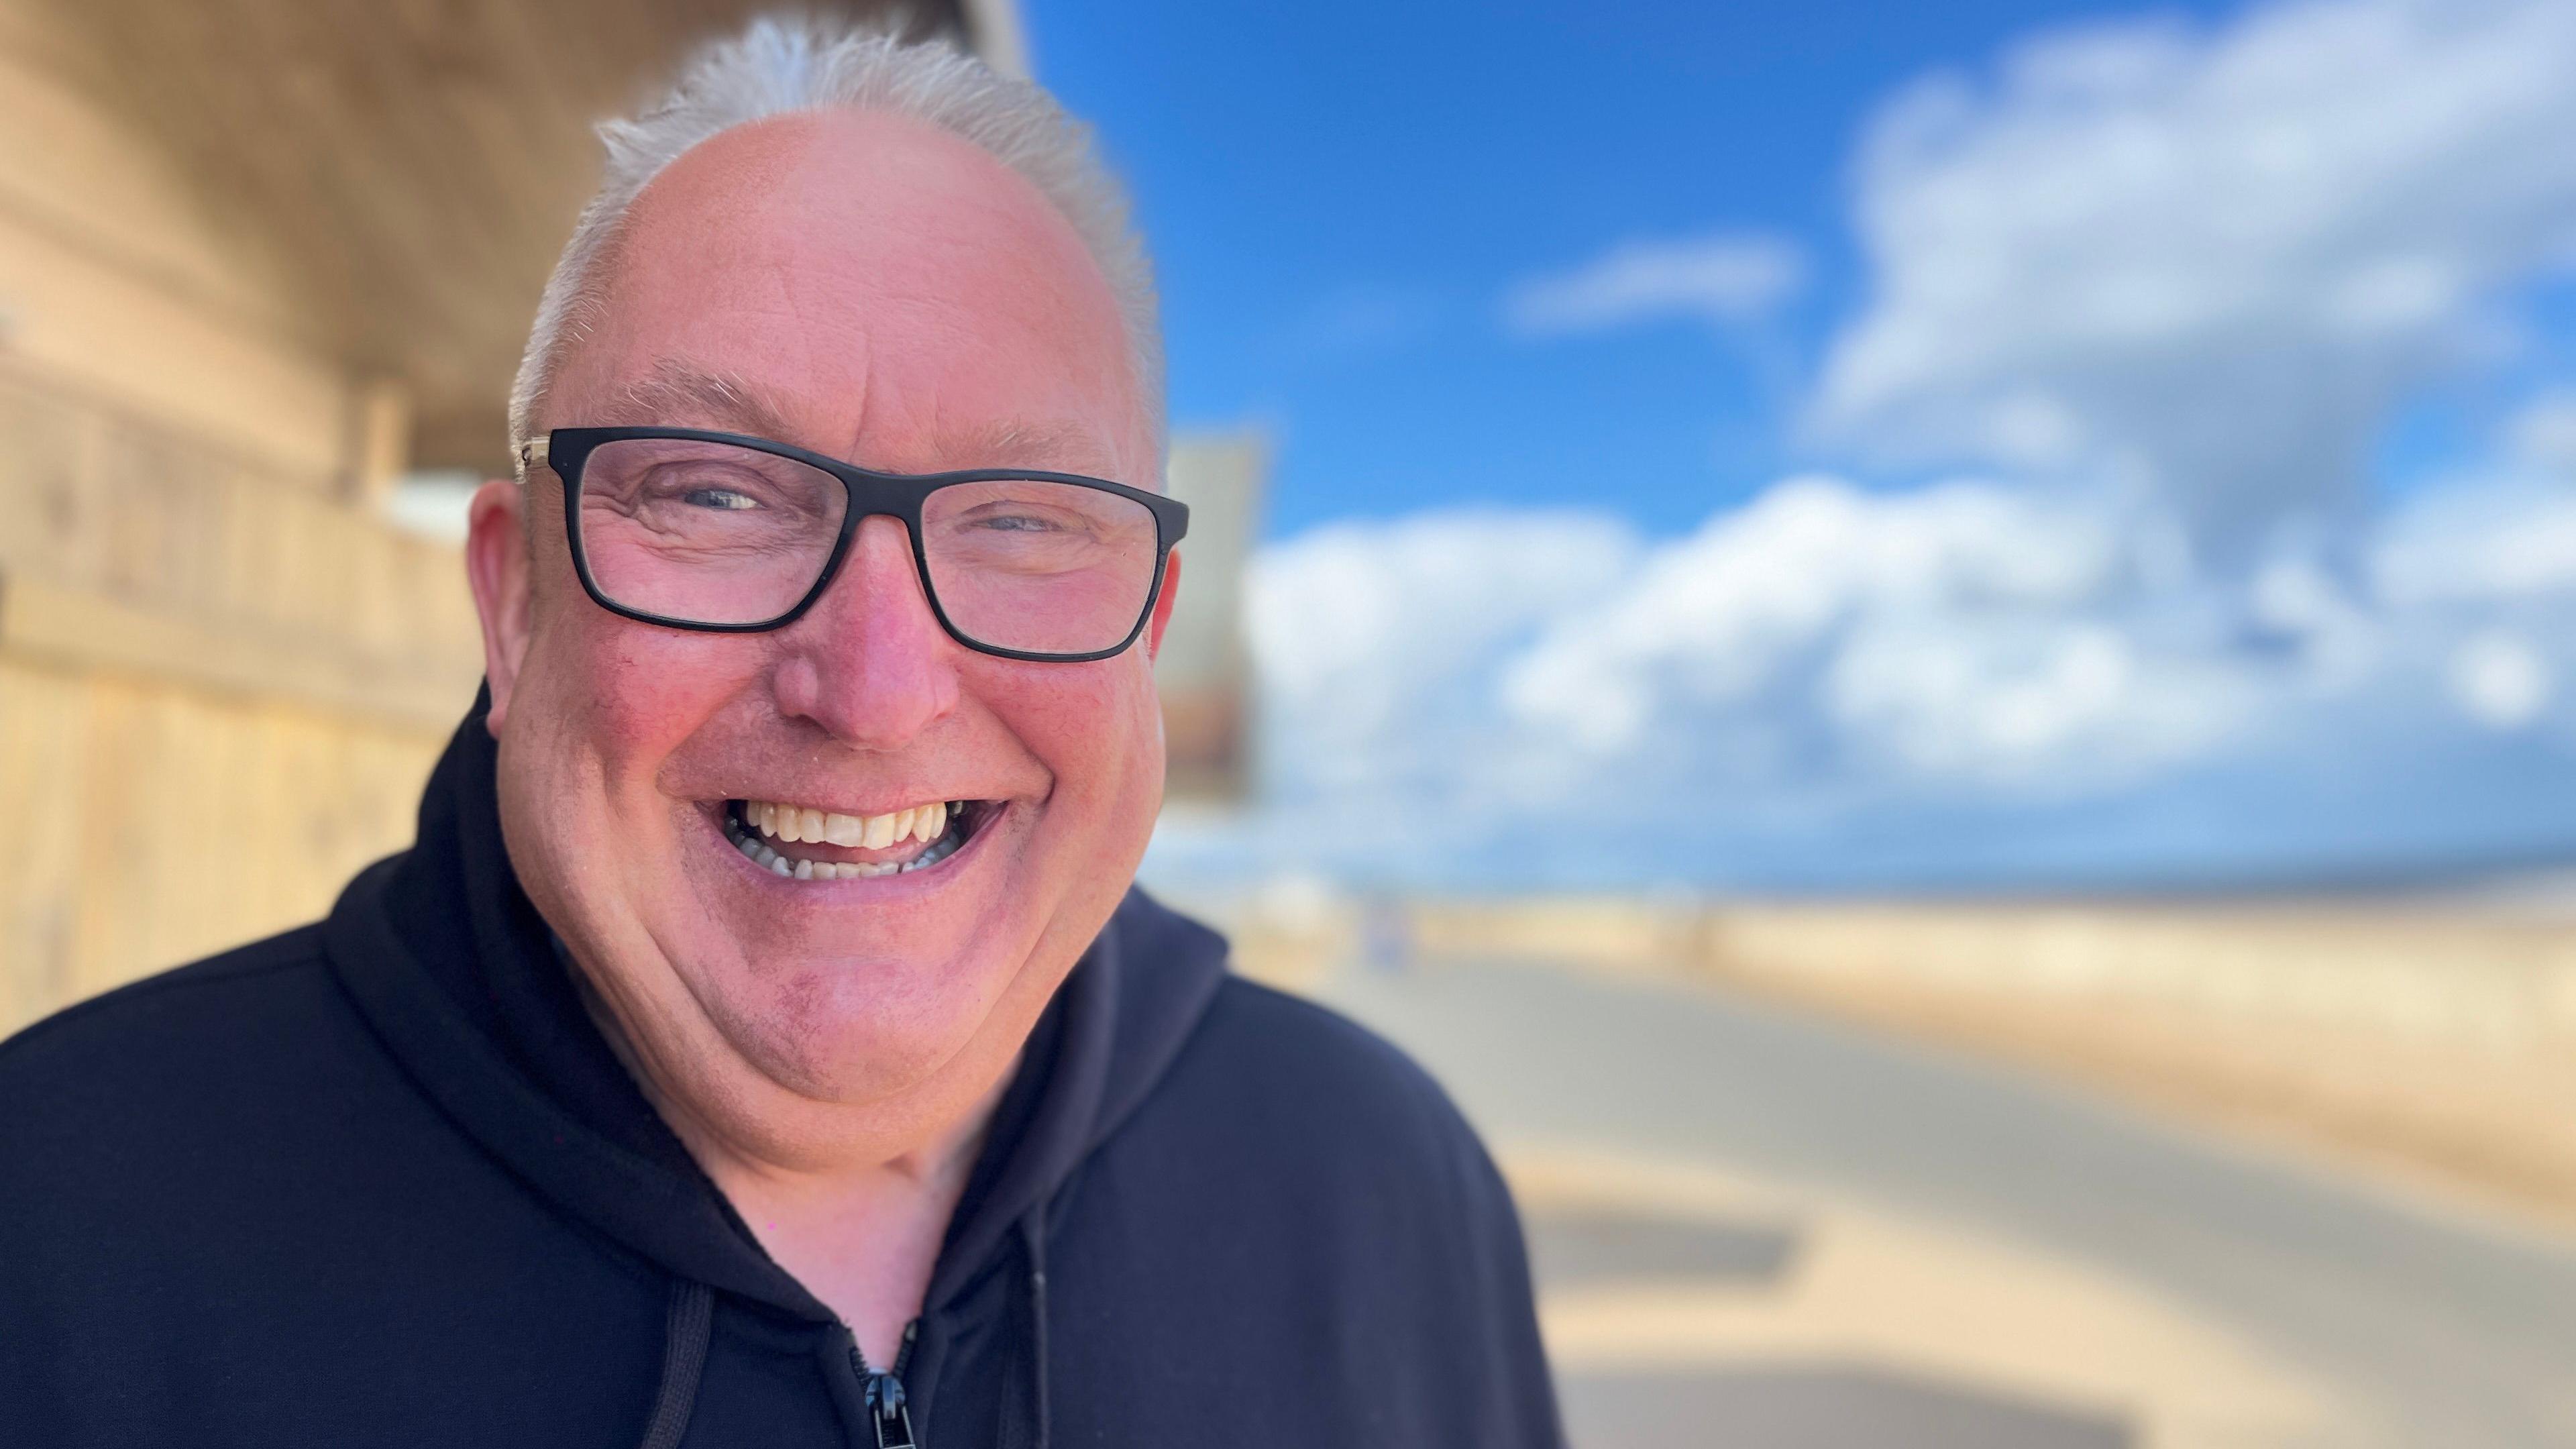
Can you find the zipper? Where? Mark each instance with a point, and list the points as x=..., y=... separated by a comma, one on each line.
x=888, y=1411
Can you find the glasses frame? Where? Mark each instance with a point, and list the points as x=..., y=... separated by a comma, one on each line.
x=566, y=451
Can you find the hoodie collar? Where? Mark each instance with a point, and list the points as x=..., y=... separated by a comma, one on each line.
x=453, y=966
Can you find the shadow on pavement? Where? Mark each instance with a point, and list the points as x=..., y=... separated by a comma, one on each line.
x=1571, y=1248
x=1810, y=1408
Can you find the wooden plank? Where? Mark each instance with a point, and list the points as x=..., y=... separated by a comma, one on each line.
x=45, y=624
x=156, y=824
x=74, y=317
x=44, y=744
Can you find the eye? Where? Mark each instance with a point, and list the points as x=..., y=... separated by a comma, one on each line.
x=729, y=499
x=1016, y=523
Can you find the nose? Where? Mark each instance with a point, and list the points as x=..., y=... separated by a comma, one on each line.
x=869, y=662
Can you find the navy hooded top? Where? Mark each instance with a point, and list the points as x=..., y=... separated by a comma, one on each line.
x=381, y=1181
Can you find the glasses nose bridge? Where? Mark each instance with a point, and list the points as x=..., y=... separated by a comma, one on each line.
x=859, y=589
x=883, y=495
x=869, y=656
x=880, y=495
x=853, y=552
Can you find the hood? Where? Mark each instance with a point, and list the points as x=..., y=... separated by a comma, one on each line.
x=452, y=965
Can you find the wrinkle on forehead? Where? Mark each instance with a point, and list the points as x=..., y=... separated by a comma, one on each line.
x=680, y=394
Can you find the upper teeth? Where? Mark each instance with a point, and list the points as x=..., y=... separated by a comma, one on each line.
x=869, y=832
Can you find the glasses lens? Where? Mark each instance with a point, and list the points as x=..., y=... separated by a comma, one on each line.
x=705, y=533
x=1045, y=568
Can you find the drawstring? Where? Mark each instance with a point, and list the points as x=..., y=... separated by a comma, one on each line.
x=1033, y=1240
x=691, y=1322
x=685, y=1330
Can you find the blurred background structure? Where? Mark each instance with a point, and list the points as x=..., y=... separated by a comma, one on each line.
x=1203, y=671
x=1925, y=649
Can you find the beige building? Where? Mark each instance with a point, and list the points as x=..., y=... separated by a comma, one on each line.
x=1204, y=670
x=258, y=260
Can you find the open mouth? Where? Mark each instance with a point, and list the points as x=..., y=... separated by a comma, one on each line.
x=803, y=843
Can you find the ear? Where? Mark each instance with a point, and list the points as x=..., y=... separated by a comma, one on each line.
x=1163, y=604
x=496, y=564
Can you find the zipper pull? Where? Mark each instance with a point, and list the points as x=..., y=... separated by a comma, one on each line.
x=892, y=1415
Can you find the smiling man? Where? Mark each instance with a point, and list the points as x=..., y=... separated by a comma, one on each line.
x=764, y=1043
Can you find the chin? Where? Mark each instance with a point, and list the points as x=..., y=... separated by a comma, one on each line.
x=841, y=1026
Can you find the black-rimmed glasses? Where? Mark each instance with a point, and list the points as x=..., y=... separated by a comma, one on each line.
x=717, y=531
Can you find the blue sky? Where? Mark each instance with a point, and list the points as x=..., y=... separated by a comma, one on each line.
x=1897, y=446
x=1339, y=194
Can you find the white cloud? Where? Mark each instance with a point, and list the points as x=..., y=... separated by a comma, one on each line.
x=1445, y=692
x=1728, y=279
x=1718, y=618
x=1960, y=634
x=2060, y=705
x=1372, y=638
x=2478, y=541
x=2205, y=262
x=2500, y=680
x=2542, y=434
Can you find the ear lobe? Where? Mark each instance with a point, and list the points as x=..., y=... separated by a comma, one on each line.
x=1163, y=605
x=496, y=565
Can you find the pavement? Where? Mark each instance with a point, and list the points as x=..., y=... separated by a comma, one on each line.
x=1758, y=1228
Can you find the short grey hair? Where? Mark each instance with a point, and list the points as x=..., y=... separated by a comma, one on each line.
x=780, y=66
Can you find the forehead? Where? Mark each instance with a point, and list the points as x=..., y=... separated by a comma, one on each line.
x=881, y=289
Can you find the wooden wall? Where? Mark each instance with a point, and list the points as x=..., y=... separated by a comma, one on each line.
x=222, y=678
x=253, y=253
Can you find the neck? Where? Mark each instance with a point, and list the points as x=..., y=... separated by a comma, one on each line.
x=861, y=1230
x=862, y=1237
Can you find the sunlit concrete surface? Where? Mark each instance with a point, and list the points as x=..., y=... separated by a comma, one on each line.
x=1882, y=1328
x=1753, y=1227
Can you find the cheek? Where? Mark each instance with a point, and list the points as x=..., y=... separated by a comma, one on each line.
x=628, y=692
x=1095, y=727
x=616, y=690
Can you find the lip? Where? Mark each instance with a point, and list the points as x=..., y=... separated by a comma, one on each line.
x=886, y=888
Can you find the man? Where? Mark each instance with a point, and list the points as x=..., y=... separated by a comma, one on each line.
x=764, y=1042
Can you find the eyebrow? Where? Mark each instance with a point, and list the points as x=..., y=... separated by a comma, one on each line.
x=680, y=394
x=1045, y=446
